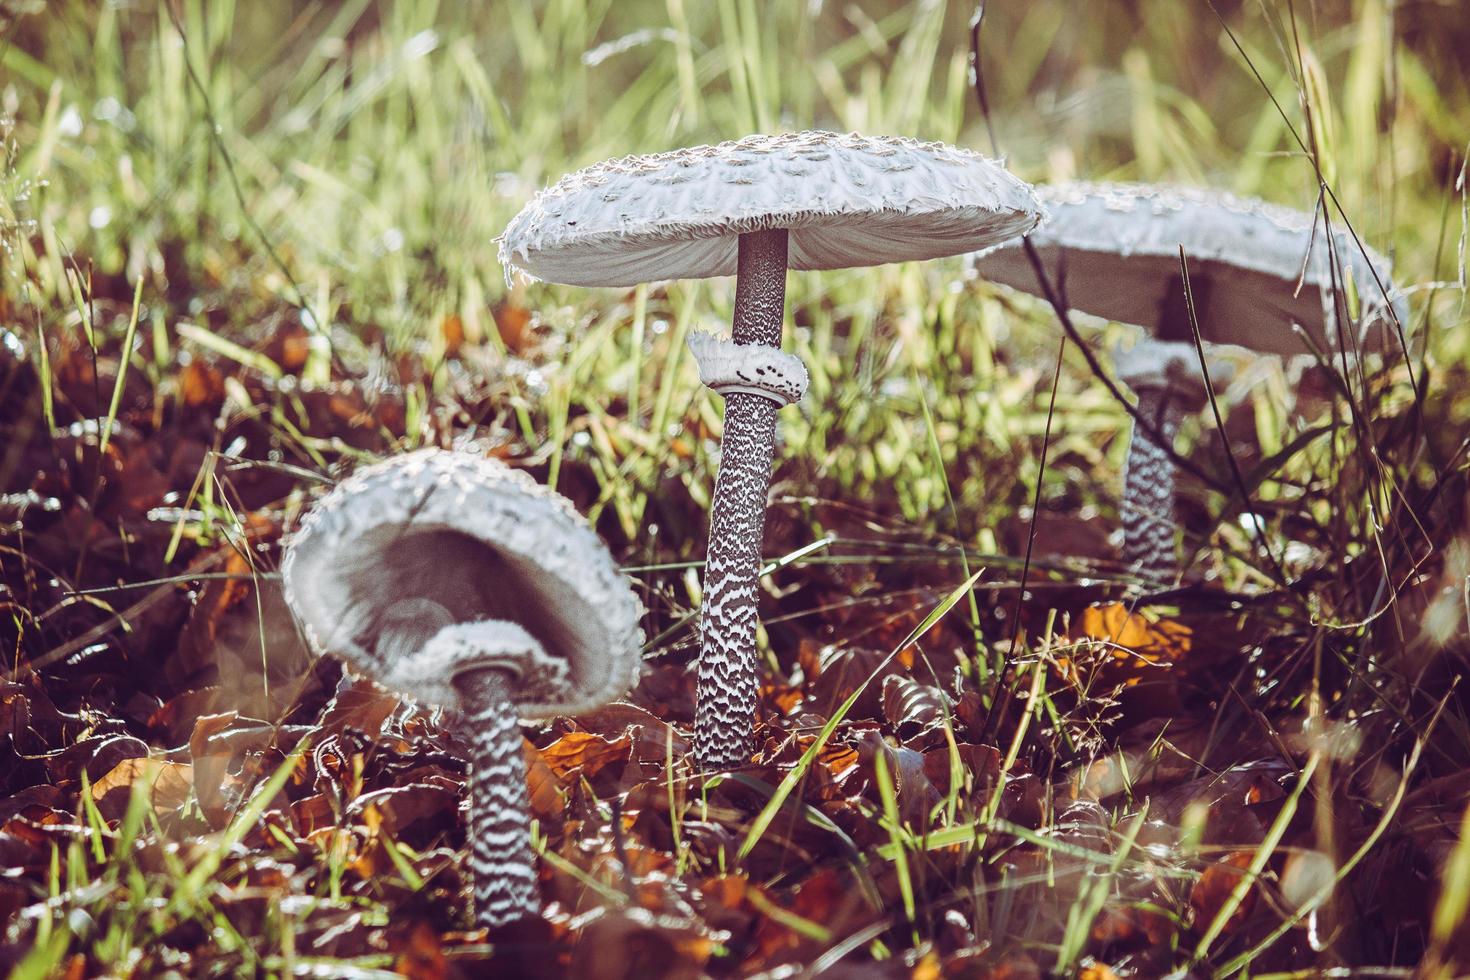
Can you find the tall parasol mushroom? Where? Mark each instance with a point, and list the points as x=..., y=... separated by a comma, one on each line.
x=1260, y=276
x=755, y=208
x=459, y=582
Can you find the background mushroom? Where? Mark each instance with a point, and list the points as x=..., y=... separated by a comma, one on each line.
x=754, y=208
x=1260, y=276
x=459, y=582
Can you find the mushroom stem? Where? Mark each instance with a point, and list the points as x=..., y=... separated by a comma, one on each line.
x=1148, y=489
x=499, y=824
x=725, y=710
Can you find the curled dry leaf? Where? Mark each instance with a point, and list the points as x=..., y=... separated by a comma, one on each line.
x=548, y=794
x=359, y=705
x=393, y=810
x=96, y=756
x=915, y=793
x=1136, y=644
x=979, y=766
x=211, y=765
x=419, y=955
x=653, y=738
x=585, y=752
x=844, y=669
x=167, y=785
x=1212, y=890
x=912, y=706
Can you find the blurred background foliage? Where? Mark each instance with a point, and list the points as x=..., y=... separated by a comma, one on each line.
x=351, y=164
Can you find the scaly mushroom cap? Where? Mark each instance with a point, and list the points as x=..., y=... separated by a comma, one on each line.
x=848, y=200
x=408, y=548
x=1114, y=248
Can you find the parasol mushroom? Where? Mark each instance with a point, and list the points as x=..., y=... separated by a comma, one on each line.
x=458, y=582
x=755, y=208
x=1260, y=276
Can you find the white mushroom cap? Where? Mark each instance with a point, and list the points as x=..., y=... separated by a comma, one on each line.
x=481, y=542
x=1115, y=248
x=848, y=200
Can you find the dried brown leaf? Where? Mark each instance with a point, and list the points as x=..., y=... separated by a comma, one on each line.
x=167, y=784
x=548, y=794
x=912, y=706
x=420, y=955
x=585, y=751
x=1210, y=892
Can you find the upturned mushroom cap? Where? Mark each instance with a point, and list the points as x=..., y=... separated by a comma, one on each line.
x=438, y=542
x=848, y=200
x=1114, y=248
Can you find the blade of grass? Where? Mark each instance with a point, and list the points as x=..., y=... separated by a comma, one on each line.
x=789, y=783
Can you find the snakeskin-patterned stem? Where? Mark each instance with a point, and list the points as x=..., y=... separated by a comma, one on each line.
x=499, y=826
x=725, y=709
x=1148, y=490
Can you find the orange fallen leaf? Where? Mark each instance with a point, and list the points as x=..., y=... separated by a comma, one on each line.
x=725, y=891
x=513, y=322
x=211, y=765
x=421, y=957
x=200, y=384
x=1157, y=641
x=166, y=784
x=928, y=968
x=548, y=796
x=1096, y=971
x=1212, y=890
x=586, y=751
x=451, y=328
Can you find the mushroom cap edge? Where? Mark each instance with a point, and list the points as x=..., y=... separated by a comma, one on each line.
x=492, y=504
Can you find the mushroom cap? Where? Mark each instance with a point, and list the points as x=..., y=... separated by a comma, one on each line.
x=848, y=200
x=1114, y=248
x=480, y=540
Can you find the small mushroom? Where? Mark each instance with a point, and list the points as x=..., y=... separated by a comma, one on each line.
x=1257, y=273
x=755, y=208
x=459, y=582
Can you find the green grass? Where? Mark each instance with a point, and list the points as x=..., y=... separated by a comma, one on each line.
x=221, y=223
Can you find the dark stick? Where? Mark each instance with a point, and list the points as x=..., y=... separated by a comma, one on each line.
x=725, y=710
